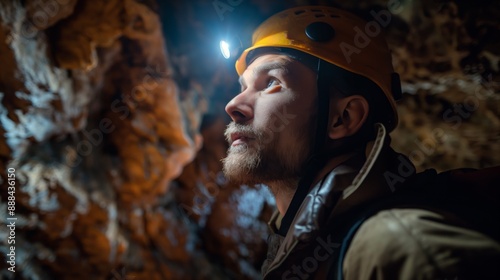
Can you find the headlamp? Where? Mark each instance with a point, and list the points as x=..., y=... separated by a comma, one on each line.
x=225, y=49
x=230, y=48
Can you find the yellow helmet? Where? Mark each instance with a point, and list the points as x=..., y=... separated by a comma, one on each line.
x=337, y=37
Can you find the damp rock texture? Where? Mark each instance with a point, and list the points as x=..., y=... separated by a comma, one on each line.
x=112, y=119
x=96, y=129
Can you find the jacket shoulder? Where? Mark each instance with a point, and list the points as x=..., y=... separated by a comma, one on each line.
x=420, y=244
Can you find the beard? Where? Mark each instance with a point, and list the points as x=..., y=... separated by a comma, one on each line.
x=261, y=159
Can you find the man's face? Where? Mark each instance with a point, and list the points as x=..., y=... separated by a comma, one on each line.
x=273, y=121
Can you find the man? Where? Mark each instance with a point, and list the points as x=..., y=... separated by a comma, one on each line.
x=312, y=122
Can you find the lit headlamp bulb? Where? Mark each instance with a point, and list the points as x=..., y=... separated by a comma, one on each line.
x=225, y=49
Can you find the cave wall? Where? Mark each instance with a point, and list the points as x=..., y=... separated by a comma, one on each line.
x=97, y=129
x=112, y=116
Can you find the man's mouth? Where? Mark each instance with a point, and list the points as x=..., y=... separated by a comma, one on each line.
x=238, y=139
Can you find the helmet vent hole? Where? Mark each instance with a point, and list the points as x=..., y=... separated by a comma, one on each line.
x=299, y=12
x=319, y=15
x=334, y=16
x=316, y=10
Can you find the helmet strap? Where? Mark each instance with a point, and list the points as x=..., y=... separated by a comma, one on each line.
x=317, y=159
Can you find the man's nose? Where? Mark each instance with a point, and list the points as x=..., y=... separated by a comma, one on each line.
x=240, y=108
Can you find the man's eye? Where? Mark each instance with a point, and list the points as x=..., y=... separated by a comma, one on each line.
x=272, y=83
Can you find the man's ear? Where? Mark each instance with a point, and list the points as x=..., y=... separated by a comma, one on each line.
x=347, y=116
